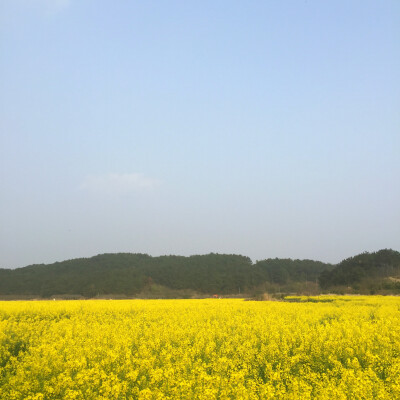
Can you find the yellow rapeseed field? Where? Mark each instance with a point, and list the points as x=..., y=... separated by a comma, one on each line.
x=328, y=348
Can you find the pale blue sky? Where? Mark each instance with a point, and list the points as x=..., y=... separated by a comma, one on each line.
x=262, y=128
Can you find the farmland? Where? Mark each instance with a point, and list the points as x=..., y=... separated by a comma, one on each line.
x=304, y=348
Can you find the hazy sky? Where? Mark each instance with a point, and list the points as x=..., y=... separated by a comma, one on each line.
x=262, y=128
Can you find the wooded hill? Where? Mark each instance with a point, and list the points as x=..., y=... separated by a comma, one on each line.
x=166, y=276
x=140, y=275
x=377, y=272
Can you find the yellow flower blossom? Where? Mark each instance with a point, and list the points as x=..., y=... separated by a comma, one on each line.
x=328, y=347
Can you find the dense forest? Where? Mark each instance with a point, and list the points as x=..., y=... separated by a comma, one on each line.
x=370, y=273
x=141, y=275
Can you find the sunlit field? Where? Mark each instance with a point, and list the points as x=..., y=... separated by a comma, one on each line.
x=327, y=348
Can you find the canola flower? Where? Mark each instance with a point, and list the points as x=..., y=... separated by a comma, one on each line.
x=326, y=348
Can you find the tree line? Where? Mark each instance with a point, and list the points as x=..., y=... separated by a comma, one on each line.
x=133, y=275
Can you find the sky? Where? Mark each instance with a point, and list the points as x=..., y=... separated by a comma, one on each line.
x=263, y=128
